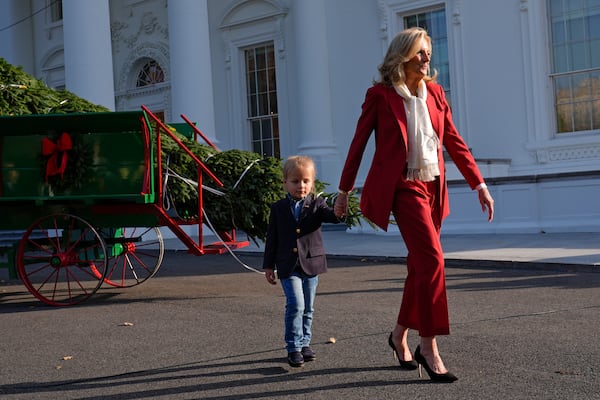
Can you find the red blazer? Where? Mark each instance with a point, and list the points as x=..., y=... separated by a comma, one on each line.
x=383, y=113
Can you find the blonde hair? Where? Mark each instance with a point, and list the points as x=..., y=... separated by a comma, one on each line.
x=403, y=47
x=295, y=163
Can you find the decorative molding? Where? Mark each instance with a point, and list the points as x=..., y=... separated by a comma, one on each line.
x=251, y=12
x=280, y=39
x=456, y=13
x=575, y=153
x=148, y=26
x=384, y=22
x=524, y=5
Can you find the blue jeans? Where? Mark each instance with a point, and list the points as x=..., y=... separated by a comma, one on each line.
x=300, y=291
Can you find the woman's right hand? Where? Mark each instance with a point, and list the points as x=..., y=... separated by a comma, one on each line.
x=341, y=205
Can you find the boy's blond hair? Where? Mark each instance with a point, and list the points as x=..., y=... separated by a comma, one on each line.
x=294, y=163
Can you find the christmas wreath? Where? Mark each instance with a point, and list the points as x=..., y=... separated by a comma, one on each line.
x=65, y=162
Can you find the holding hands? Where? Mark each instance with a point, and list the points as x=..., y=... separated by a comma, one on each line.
x=341, y=205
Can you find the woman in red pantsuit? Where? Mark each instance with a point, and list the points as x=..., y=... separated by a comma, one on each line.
x=412, y=121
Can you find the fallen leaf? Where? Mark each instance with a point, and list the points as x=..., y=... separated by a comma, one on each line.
x=126, y=324
x=67, y=358
x=331, y=340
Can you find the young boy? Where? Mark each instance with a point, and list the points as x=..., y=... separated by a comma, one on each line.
x=294, y=247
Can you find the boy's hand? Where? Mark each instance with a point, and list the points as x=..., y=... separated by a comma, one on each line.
x=270, y=275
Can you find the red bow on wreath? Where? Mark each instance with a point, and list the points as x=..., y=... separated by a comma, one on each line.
x=57, y=161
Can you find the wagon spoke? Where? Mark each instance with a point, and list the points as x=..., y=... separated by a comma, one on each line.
x=135, y=255
x=73, y=253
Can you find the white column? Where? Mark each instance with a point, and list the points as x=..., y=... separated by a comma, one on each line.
x=88, y=51
x=314, y=96
x=17, y=38
x=191, y=71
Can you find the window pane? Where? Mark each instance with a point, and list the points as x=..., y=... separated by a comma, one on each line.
x=593, y=26
x=582, y=117
x=558, y=32
x=250, y=62
x=595, y=53
x=276, y=151
x=581, y=87
x=150, y=74
x=256, y=147
x=276, y=128
x=562, y=90
x=252, y=83
x=273, y=102
x=563, y=118
x=261, y=62
x=270, y=57
x=578, y=56
x=596, y=115
x=263, y=104
x=575, y=29
x=261, y=77
x=256, y=131
x=561, y=62
x=410, y=21
x=252, y=105
x=272, y=79
x=595, y=84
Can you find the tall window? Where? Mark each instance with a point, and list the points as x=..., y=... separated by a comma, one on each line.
x=261, y=92
x=575, y=35
x=434, y=22
x=150, y=74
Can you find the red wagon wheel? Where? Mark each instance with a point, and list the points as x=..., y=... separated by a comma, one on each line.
x=135, y=254
x=60, y=258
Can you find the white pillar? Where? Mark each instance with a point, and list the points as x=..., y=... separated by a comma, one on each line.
x=191, y=71
x=88, y=51
x=17, y=36
x=314, y=95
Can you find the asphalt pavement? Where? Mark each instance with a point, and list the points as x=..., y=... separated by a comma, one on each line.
x=524, y=311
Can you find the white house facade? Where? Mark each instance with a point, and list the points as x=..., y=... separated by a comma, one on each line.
x=284, y=77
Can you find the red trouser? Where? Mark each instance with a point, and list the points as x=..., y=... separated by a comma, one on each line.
x=424, y=304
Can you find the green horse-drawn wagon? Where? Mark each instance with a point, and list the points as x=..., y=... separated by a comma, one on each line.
x=84, y=193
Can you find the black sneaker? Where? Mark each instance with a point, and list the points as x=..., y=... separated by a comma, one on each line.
x=308, y=354
x=295, y=359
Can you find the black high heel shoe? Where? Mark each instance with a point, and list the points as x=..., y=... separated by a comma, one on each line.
x=448, y=377
x=407, y=365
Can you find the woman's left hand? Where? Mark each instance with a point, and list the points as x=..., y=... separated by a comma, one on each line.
x=487, y=202
x=340, y=206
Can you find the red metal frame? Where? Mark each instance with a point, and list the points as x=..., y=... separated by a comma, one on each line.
x=198, y=132
x=156, y=208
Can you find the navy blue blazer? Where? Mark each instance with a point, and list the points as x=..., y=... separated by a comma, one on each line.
x=288, y=241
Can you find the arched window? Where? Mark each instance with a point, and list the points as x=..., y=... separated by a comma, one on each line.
x=150, y=74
